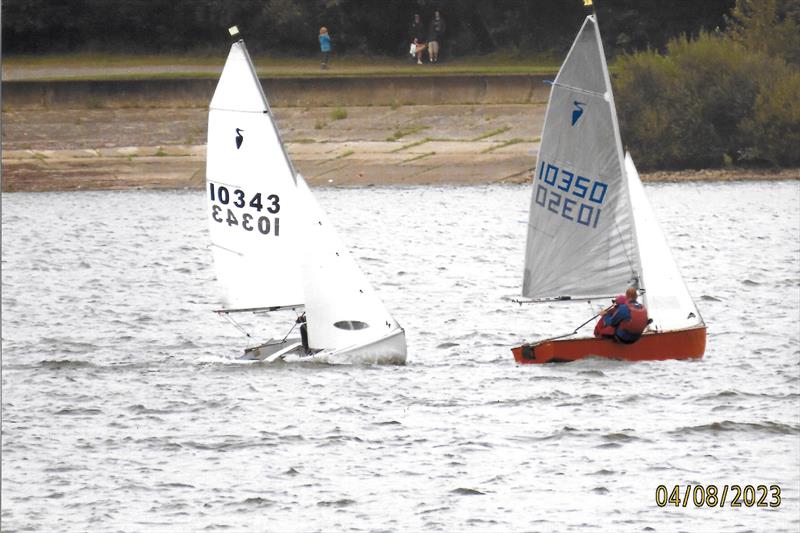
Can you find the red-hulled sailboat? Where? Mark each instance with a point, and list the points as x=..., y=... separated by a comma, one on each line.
x=591, y=231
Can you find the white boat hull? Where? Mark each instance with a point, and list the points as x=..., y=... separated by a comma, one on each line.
x=387, y=350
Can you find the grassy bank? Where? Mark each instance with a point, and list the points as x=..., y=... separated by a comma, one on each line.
x=104, y=66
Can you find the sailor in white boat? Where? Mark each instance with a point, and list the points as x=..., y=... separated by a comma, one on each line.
x=303, y=331
x=625, y=321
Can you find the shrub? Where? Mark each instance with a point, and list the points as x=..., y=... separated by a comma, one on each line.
x=775, y=122
x=769, y=26
x=708, y=102
x=339, y=113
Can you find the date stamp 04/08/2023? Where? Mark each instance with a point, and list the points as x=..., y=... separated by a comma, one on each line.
x=719, y=496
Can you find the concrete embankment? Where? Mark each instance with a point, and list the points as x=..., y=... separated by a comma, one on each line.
x=101, y=134
x=301, y=91
x=70, y=135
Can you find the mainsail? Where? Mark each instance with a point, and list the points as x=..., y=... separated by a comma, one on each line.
x=581, y=239
x=252, y=196
x=342, y=309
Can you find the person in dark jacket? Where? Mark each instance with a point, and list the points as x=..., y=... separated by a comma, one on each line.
x=630, y=328
x=605, y=327
x=625, y=321
x=418, y=38
x=435, y=36
x=303, y=331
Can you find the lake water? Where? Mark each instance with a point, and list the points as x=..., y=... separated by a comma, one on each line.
x=124, y=407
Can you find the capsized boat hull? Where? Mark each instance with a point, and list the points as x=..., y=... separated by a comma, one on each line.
x=689, y=343
x=387, y=350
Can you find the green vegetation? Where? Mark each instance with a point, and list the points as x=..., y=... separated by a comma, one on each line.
x=411, y=145
x=515, y=140
x=127, y=67
x=339, y=113
x=722, y=98
x=492, y=133
x=418, y=157
x=474, y=27
x=342, y=156
x=399, y=133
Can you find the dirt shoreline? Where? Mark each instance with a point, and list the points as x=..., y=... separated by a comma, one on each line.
x=95, y=149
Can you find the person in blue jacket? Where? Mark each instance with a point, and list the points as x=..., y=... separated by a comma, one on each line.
x=324, y=47
x=625, y=321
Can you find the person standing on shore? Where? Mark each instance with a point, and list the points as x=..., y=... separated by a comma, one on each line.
x=435, y=36
x=418, y=37
x=324, y=46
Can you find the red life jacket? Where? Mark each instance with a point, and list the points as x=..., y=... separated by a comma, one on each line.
x=638, y=322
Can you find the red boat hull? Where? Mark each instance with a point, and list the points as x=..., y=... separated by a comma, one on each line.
x=654, y=346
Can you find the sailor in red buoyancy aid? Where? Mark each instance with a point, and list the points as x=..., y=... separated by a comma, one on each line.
x=625, y=321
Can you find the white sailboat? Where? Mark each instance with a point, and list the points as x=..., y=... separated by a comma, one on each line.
x=273, y=246
x=591, y=231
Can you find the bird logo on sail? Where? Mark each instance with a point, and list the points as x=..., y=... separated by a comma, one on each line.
x=239, y=138
x=577, y=113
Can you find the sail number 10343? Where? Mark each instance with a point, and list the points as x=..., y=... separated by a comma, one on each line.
x=230, y=207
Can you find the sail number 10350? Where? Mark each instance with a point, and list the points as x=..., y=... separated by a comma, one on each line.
x=224, y=200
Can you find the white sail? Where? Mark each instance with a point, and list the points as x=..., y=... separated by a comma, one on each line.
x=342, y=309
x=252, y=196
x=668, y=301
x=581, y=240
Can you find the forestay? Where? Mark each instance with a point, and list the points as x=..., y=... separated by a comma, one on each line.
x=251, y=191
x=580, y=231
x=342, y=309
x=668, y=300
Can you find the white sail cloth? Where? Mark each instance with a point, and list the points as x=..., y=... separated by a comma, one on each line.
x=252, y=200
x=581, y=240
x=273, y=244
x=665, y=294
x=342, y=309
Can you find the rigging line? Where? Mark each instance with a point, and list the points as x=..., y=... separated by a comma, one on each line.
x=631, y=266
x=227, y=249
x=574, y=332
x=579, y=327
x=289, y=332
x=235, y=324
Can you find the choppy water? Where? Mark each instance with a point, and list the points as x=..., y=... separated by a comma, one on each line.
x=124, y=408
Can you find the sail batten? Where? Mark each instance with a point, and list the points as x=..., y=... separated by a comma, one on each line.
x=579, y=90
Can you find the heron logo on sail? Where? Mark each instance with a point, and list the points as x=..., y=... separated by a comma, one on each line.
x=577, y=113
x=239, y=138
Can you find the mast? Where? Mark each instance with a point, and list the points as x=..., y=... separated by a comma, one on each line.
x=637, y=274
